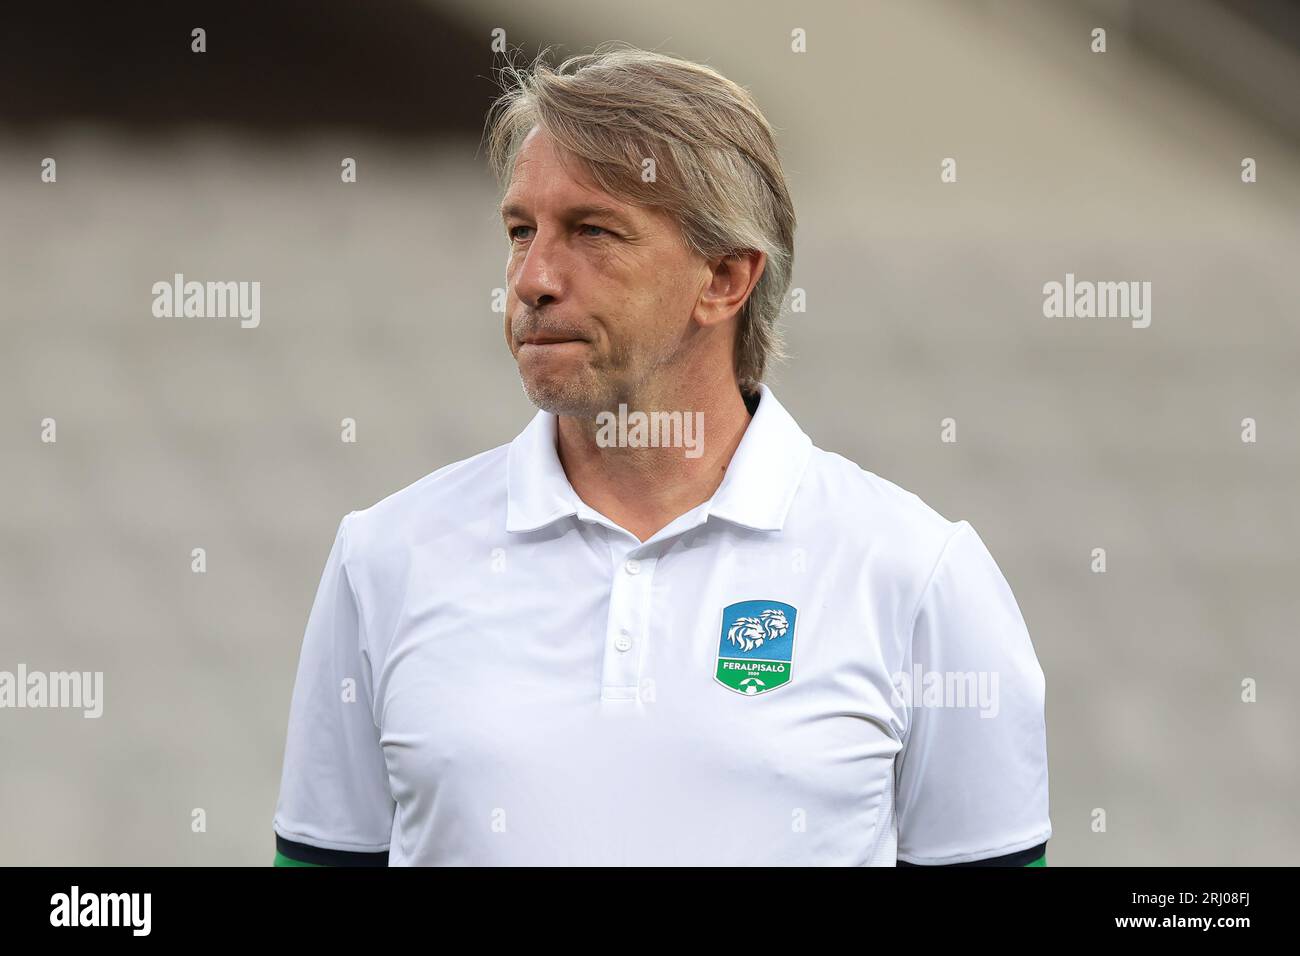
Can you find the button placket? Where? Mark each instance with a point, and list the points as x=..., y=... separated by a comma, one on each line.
x=631, y=579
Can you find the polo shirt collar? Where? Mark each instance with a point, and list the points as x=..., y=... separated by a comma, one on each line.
x=756, y=491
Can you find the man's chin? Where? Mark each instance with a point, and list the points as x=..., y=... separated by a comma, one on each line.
x=561, y=396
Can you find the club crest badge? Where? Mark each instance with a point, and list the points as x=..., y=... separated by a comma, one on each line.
x=756, y=647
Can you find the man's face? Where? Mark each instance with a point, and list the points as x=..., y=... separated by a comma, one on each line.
x=600, y=293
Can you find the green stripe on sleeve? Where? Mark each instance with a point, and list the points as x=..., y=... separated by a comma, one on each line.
x=282, y=860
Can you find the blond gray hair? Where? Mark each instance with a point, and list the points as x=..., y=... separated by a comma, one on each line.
x=717, y=172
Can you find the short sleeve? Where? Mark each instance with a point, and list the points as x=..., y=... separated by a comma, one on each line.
x=334, y=791
x=972, y=771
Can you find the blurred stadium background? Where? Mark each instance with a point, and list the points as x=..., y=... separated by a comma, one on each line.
x=924, y=302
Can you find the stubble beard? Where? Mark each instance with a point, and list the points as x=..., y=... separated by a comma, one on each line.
x=621, y=377
x=571, y=397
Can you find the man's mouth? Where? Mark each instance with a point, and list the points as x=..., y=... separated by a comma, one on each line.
x=549, y=339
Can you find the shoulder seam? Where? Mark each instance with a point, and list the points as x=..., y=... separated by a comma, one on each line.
x=962, y=525
x=920, y=599
x=363, y=636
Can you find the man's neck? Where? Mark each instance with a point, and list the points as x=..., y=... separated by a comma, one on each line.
x=644, y=489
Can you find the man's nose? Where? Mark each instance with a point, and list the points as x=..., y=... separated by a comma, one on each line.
x=539, y=278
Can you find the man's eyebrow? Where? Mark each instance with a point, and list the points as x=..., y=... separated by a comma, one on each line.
x=573, y=212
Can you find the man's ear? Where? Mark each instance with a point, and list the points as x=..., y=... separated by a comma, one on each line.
x=731, y=280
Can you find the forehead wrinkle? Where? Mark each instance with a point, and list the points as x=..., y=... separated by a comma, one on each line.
x=560, y=172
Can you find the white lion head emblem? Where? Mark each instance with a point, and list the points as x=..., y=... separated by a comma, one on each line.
x=751, y=632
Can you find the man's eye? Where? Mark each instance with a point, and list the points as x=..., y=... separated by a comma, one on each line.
x=600, y=231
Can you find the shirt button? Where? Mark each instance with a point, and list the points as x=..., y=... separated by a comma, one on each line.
x=632, y=566
x=623, y=642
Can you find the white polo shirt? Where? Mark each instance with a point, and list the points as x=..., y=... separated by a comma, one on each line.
x=811, y=668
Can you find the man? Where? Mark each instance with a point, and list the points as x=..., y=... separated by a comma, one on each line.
x=611, y=643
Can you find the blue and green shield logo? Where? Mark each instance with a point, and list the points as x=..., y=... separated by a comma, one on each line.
x=756, y=648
